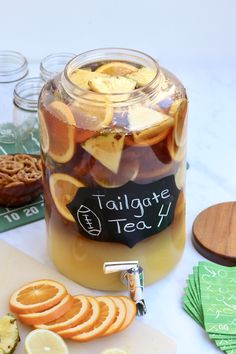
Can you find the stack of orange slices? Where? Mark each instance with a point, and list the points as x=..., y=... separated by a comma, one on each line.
x=46, y=304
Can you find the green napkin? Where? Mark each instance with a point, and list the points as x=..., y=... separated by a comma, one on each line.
x=210, y=299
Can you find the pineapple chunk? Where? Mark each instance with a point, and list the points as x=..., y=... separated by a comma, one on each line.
x=9, y=334
x=107, y=149
x=81, y=77
x=142, y=76
x=112, y=84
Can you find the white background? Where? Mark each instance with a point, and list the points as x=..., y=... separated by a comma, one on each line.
x=190, y=31
x=194, y=39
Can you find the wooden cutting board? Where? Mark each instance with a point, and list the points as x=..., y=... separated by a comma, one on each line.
x=16, y=269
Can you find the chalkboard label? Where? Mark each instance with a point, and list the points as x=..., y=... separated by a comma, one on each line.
x=127, y=214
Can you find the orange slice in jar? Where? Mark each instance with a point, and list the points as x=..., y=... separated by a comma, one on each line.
x=44, y=137
x=180, y=175
x=146, y=123
x=147, y=142
x=63, y=189
x=130, y=312
x=93, y=112
x=120, y=316
x=106, y=318
x=37, y=296
x=128, y=170
x=178, y=110
x=75, y=315
x=116, y=68
x=89, y=321
x=61, y=132
x=48, y=315
x=177, y=153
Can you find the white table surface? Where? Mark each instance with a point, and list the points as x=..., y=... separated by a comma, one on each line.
x=210, y=179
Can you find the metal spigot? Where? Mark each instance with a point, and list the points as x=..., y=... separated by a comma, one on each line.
x=132, y=276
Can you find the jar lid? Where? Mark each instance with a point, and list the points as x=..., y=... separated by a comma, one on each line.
x=213, y=233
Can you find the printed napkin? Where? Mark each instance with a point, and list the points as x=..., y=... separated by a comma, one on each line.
x=210, y=299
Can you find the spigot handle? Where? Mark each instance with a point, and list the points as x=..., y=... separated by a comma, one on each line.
x=114, y=267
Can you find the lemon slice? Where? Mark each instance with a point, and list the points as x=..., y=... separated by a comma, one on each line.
x=63, y=189
x=147, y=123
x=61, y=137
x=44, y=137
x=113, y=84
x=107, y=149
x=142, y=76
x=114, y=351
x=116, y=68
x=81, y=77
x=42, y=341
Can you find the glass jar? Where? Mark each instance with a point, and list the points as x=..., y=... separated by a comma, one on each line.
x=53, y=64
x=13, y=67
x=114, y=166
x=26, y=94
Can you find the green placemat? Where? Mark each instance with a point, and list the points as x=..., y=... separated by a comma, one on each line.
x=11, y=218
x=210, y=299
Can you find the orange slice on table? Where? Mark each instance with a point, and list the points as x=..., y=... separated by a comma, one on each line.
x=44, y=137
x=130, y=312
x=116, y=68
x=75, y=315
x=63, y=189
x=120, y=316
x=48, y=315
x=62, y=128
x=89, y=321
x=106, y=318
x=37, y=296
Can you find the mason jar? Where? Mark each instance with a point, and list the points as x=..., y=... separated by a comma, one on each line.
x=25, y=115
x=113, y=143
x=53, y=64
x=13, y=67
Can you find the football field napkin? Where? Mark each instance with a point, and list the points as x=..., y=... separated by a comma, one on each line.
x=210, y=299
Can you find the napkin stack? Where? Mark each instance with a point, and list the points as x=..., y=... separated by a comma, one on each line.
x=210, y=299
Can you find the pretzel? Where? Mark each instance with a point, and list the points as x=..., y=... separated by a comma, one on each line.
x=10, y=167
x=29, y=176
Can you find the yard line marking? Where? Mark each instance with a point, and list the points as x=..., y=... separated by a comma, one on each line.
x=3, y=150
x=27, y=206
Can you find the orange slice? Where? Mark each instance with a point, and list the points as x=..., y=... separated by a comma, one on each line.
x=93, y=112
x=44, y=137
x=120, y=316
x=48, y=315
x=148, y=142
x=63, y=189
x=75, y=315
x=106, y=318
x=142, y=76
x=62, y=122
x=178, y=110
x=116, y=68
x=128, y=171
x=89, y=321
x=130, y=312
x=36, y=296
x=81, y=77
